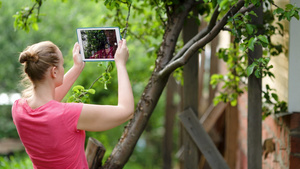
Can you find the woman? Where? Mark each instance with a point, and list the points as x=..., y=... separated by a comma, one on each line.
x=52, y=132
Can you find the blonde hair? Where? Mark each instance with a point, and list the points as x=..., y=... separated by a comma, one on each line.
x=37, y=59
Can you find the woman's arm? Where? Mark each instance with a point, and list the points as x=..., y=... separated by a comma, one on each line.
x=104, y=117
x=71, y=76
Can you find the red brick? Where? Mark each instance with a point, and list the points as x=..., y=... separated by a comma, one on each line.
x=294, y=162
x=295, y=121
x=295, y=144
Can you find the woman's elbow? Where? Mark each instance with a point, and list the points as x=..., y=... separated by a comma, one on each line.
x=129, y=111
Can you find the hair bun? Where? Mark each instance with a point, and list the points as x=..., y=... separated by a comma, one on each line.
x=28, y=56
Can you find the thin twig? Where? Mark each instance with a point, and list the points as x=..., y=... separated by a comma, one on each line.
x=106, y=70
x=84, y=93
x=126, y=27
x=25, y=17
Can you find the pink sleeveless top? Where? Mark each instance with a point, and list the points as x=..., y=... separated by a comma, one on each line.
x=50, y=135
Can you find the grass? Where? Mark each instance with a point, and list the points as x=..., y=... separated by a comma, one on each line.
x=19, y=160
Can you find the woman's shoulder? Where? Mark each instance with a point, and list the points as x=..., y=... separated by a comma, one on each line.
x=19, y=102
x=72, y=106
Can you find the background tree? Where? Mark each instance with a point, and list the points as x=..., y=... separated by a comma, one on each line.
x=229, y=15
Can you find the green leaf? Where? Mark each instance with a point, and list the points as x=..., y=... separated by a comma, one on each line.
x=289, y=7
x=275, y=96
x=251, y=43
x=92, y=91
x=281, y=26
x=233, y=102
x=257, y=73
x=35, y=26
x=263, y=38
x=109, y=67
x=105, y=85
x=253, y=13
x=249, y=29
x=278, y=11
x=250, y=69
x=296, y=15
x=77, y=88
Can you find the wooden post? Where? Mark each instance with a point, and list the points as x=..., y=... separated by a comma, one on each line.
x=171, y=108
x=202, y=140
x=190, y=94
x=94, y=153
x=214, y=65
x=255, y=105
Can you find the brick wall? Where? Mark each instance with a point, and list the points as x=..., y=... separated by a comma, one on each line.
x=283, y=131
x=277, y=131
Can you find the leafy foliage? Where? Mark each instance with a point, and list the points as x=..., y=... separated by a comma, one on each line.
x=80, y=94
x=289, y=12
x=271, y=100
x=246, y=39
x=233, y=83
x=28, y=17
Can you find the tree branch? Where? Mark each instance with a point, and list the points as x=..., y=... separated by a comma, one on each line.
x=227, y=29
x=175, y=23
x=183, y=58
x=200, y=35
x=244, y=10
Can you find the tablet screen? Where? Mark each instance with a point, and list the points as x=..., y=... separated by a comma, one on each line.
x=98, y=44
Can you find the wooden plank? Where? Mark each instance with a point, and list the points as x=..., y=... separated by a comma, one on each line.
x=202, y=140
x=231, y=126
x=10, y=145
x=94, y=153
x=211, y=115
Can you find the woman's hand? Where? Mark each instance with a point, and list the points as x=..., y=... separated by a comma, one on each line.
x=78, y=62
x=122, y=53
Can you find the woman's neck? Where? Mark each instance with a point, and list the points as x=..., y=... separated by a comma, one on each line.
x=42, y=94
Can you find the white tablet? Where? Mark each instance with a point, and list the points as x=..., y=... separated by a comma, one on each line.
x=98, y=44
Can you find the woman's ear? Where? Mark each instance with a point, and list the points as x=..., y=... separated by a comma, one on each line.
x=53, y=72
